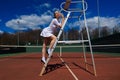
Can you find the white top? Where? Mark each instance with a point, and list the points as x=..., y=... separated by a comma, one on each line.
x=49, y=31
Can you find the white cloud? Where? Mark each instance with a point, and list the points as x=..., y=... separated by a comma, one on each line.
x=1, y=32
x=93, y=22
x=110, y=22
x=46, y=5
x=56, y=9
x=42, y=7
x=104, y=21
x=74, y=24
x=32, y=21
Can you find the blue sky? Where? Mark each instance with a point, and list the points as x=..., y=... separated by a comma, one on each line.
x=37, y=14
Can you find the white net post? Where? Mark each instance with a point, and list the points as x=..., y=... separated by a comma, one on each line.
x=60, y=54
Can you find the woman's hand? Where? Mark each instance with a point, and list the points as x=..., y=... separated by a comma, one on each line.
x=62, y=15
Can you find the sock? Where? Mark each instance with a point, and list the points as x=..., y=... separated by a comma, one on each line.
x=43, y=59
x=49, y=50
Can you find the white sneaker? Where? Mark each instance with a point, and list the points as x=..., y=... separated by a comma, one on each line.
x=43, y=60
x=48, y=51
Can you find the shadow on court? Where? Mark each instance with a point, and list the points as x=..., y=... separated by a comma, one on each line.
x=83, y=68
x=52, y=67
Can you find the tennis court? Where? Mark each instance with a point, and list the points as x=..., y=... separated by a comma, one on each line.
x=71, y=66
x=20, y=52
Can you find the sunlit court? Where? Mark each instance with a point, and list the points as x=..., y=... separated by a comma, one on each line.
x=70, y=66
x=70, y=40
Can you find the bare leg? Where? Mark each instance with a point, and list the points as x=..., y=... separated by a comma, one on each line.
x=44, y=47
x=44, y=50
x=53, y=39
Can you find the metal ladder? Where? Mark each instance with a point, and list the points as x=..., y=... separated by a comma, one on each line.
x=66, y=9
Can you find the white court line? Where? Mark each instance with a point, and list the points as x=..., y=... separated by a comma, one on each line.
x=69, y=69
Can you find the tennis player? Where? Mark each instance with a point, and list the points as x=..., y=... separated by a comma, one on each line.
x=48, y=34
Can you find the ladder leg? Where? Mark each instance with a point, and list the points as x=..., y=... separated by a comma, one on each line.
x=85, y=23
x=42, y=71
x=44, y=67
x=84, y=52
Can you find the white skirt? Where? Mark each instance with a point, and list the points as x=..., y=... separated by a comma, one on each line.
x=46, y=32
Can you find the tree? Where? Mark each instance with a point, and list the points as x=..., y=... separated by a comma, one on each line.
x=116, y=29
x=105, y=31
x=95, y=33
x=73, y=34
x=8, y=39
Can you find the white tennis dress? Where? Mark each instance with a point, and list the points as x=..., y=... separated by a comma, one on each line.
x=49, y=31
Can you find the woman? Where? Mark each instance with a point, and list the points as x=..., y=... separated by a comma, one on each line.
x=48, y=34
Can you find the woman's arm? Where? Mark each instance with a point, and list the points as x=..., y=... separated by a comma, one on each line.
x=57, y=23
x=63, y=19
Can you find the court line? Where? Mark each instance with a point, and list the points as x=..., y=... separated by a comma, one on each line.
x=69, y=69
